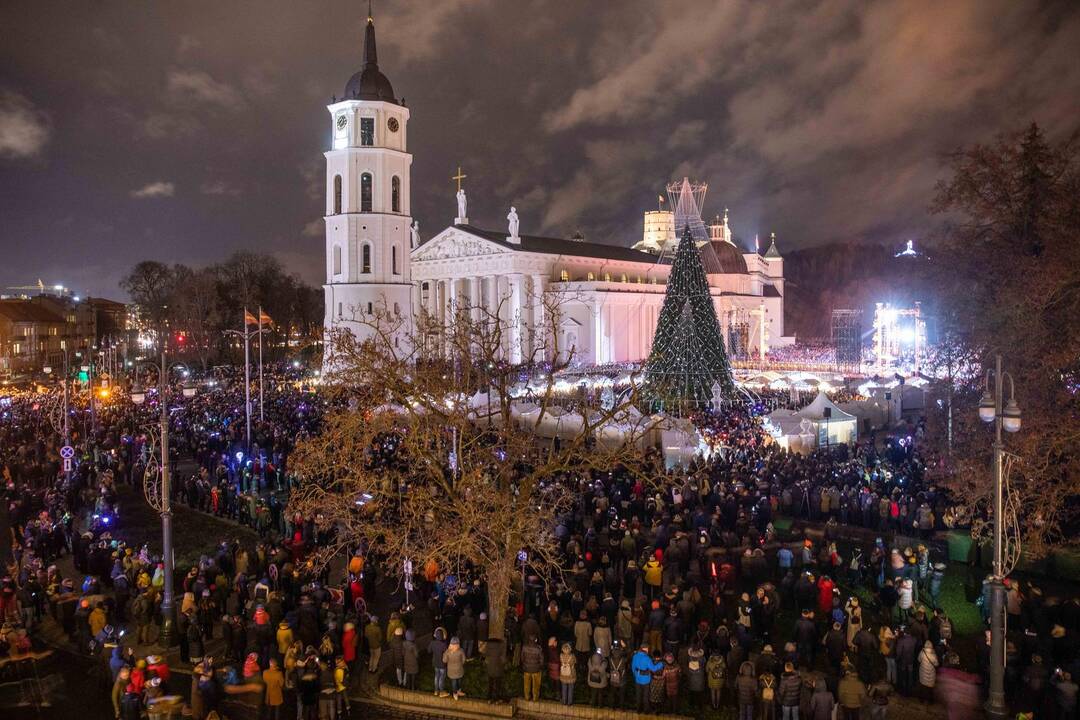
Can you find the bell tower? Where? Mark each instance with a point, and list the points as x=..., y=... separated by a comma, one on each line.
x=368, y=219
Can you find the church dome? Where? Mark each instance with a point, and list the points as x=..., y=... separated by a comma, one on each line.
x=370, y=83
x=723, y=258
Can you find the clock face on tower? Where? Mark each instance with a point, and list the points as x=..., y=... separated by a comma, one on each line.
x=392, y=124
x=342, y=121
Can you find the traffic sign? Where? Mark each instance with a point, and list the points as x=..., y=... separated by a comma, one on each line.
x=67, y=452
x=67, y=464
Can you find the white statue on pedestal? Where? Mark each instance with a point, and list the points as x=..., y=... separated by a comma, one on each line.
x=462, y=204
x=512, y=219
x=414, y=235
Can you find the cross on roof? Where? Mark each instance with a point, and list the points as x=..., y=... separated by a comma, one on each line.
x=459, y=177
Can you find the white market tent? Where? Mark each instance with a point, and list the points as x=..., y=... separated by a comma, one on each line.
x=872, y=413
x=832, y=426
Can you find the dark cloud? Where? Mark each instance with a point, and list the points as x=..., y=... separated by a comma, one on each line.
x=183, y=131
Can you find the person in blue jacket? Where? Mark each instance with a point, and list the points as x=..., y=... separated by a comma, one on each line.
x=643, y=667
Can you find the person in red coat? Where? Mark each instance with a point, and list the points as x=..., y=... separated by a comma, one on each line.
x=348, y=645
x=825, y=588
x=157, y=667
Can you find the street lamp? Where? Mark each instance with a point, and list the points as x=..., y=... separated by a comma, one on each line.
x=1007, y=418
x=138, y=396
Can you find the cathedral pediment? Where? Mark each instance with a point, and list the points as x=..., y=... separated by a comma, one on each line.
x=453, y=243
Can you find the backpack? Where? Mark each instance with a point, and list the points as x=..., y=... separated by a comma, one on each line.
x=767, y=688
x=595, y=676
x=946, y=628
x=615, y=674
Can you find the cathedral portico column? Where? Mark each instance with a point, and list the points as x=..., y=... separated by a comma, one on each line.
x=515, y=285
x=539, y=329
x=597, y=332
x=432, y=304
x=476, y=299
x=454, y=287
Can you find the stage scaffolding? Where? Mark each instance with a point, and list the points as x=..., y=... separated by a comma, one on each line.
x=846, y=339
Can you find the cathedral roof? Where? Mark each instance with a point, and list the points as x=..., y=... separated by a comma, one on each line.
x=722, y=258
x=370, y=83
x=560, y=246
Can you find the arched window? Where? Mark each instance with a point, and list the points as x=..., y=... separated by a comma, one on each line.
x=564, y=276
x=370, y=309
x=393, y=260
x=622, y=278
x=591, y=276
x=607, y=277
x=337, y=194
x=365, y=259
x=397, y=309
x=365, y=192
x=395, y=194
x=337, y=259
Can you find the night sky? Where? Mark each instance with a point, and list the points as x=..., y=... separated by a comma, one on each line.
x=182, y=131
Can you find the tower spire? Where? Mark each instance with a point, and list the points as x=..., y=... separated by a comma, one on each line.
x=371, y=56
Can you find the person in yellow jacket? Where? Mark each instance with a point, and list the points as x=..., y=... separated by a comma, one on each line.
x=274, y=682
x=341, y=686
x=654, y=576
x=284, y=637
x=97, y=620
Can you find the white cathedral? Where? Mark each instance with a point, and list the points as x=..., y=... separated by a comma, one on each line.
x=609, y=297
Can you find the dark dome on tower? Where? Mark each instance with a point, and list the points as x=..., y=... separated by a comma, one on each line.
x=723, y=258
x=370, y=83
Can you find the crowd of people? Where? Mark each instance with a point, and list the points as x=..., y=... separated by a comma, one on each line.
x=673, y=598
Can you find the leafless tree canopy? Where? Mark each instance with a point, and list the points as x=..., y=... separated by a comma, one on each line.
x=1009, y=278
x=381, y=469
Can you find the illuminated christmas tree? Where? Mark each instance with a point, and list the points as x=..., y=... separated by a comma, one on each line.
x=688, y=354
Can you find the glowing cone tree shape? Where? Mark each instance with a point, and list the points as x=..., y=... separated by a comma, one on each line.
x=688, y=355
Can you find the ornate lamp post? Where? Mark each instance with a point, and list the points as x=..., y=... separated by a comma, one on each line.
x=138, y=396
x=1007, y=418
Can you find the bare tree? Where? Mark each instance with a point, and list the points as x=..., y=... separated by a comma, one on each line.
x=426, y=468
x=150, y=285
x=196, y=311
x=1009, y=269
